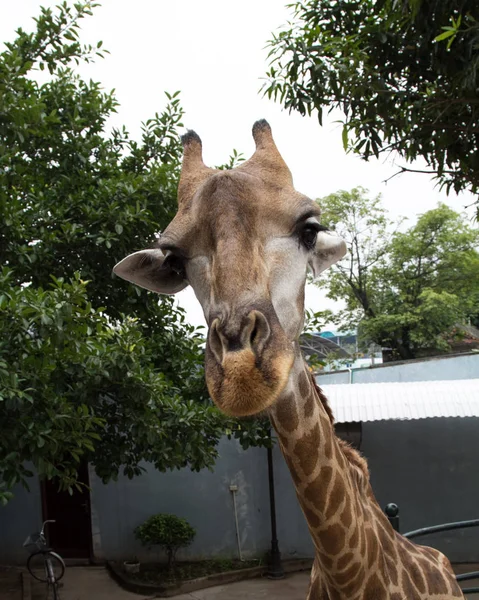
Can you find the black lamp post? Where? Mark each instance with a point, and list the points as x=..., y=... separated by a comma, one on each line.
x=275, y=568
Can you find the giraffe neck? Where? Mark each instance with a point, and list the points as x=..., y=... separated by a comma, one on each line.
x=331, y=484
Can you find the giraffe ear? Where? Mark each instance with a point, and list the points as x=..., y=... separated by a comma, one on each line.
x=152, y=270
x=329, y=249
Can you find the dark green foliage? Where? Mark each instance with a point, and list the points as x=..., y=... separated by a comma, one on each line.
x=404, y=72
x=72, y=386
x=167, y=531
x=91, y=368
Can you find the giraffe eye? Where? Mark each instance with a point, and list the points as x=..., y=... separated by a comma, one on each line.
x=308, y=235
x=175, y=264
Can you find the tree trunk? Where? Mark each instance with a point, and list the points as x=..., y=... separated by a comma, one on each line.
x=403, y=347
x=171, y=559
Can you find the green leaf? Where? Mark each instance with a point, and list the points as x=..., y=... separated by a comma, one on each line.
x=345, y=138
x=445, y=35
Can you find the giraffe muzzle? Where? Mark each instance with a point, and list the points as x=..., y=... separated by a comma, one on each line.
x=247, y=366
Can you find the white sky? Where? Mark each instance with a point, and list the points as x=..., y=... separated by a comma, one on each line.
x=214, y=52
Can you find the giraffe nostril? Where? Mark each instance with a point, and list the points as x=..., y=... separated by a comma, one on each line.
x=253, y=334
x=215, y=342
x=259, y=330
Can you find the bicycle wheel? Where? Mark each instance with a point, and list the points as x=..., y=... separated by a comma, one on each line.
x=37, y=565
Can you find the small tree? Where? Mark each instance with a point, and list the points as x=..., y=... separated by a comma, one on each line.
x=167, y=531
x=90, y=368
x=403, y=290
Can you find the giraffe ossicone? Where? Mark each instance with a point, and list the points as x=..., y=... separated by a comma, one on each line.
x=244, y=239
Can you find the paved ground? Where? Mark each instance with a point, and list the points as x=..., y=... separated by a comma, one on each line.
x=94, y=583
x=292, y=587
x=86, y=583
x=10, y=584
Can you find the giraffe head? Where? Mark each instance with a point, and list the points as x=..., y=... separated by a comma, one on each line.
x=243, y=239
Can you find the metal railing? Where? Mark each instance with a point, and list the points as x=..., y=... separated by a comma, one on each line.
x=392, y=513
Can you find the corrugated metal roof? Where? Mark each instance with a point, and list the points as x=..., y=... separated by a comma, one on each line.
x=404, y=400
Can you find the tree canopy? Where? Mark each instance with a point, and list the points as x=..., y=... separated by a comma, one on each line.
x=404, y=290
x=91, y=368
x=404, y=73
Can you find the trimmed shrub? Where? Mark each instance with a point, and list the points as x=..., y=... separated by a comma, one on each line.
x=167, y=531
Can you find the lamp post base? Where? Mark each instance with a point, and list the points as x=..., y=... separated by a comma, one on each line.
x=275, y=568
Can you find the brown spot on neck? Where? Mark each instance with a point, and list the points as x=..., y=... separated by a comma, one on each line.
x=344, y=561
x=333, y=539
x=346, y=516
x=309, y=405
x=307, y=450
x=304, y=385
x=317, y=491
x=375, y=588
x=417, y=577
x=287, y=413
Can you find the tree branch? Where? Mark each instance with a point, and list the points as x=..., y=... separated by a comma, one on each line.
x=407, y=170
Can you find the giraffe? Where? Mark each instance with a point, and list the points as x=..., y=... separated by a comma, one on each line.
x=244, y=240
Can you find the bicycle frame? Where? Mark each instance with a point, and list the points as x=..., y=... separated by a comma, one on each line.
x=42, y=532
x=49, y=569
x=49, y=558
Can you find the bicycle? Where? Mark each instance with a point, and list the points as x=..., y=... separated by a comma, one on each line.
x=44, y=564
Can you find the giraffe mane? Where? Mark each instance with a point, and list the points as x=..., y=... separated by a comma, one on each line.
x=322, y=397
x=354, y=458
x=357, y=462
